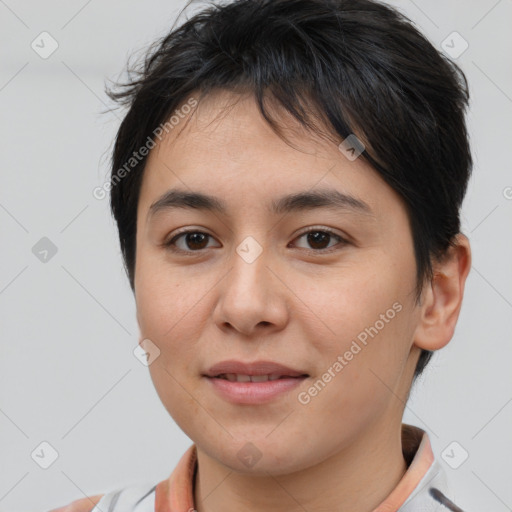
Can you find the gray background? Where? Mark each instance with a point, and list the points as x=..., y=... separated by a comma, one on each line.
x=68, y=375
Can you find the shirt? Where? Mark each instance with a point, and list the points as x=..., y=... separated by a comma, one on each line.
x=423, y=487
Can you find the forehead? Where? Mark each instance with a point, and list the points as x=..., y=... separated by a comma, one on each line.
x=229, y=126
x=227, y=149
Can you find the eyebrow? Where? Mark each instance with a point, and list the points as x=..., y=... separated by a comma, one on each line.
x=299, y=201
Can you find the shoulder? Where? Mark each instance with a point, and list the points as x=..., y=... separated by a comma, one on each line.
x=139, y=496
x=432, y=494
x=81, y=505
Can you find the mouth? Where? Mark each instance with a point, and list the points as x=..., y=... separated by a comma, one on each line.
x=253, y=383
x=269, y=370
x=235, y=377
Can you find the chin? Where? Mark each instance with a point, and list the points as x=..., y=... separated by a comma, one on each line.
x=259, y=456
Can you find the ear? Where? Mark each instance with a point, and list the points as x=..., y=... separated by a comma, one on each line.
x=441, y=299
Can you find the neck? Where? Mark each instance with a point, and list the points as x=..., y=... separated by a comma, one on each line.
x=355, y=479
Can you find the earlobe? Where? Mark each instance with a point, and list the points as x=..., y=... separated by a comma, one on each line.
x=442, y=298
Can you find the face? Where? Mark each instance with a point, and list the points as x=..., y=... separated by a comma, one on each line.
x=322, y=287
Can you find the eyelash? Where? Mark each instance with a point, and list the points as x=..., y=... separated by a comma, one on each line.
x=342, y=241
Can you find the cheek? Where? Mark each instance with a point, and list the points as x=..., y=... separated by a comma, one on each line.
x=162, y=297
x=362, y=315
x=176, y=395
x=359, y=388
x=346, y=301
x=165, y=312
x=173, y=312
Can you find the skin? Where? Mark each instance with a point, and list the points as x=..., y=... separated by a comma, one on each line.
x=81, y=505
x=295, y=304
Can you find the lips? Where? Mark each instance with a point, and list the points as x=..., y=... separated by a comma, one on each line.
x=254, y=383
x=258, y=371
x=234, y=377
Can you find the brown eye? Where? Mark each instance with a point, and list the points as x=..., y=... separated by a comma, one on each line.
x=319, y=239
x=193, y=241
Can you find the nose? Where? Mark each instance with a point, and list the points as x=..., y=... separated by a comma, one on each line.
x=252, y=298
